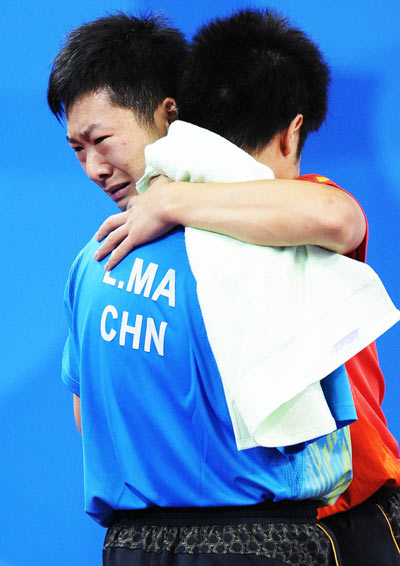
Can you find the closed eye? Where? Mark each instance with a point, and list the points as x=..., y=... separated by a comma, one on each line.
x=100, y=139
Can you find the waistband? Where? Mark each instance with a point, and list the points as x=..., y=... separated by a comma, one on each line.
x=383, y=494
x=284, y=511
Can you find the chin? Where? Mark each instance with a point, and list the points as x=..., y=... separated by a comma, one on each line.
x=122, y=204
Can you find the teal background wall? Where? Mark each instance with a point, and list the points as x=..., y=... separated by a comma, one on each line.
x=48, y=210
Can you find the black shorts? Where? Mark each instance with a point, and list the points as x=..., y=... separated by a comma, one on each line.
x=266, y=534
x=369, y=534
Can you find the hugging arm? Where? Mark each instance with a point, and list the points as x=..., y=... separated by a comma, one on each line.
x=274, y=212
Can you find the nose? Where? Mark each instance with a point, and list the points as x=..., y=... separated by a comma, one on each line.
x=96, y=167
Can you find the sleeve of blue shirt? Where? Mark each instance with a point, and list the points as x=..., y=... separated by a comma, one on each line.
x=70, y=359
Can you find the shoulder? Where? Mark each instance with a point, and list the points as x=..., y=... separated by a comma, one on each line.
x=86, y=252
x=83, y=257
x=360, y=253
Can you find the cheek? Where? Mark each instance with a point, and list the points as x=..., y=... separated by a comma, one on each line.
x=82, y=160
x=127, y=156
x=133, y=157
x=116, y=155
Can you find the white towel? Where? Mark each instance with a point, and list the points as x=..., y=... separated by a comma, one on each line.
x=279, y=319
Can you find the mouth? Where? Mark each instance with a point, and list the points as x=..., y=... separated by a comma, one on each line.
x=118, y=191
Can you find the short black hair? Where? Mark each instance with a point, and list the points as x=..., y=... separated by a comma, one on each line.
x=139, y=60
x=249, y=75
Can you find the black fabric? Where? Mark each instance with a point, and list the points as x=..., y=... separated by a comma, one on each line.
x=306, y=510
x=363, y=533
x=234, y=537
x=125, y=557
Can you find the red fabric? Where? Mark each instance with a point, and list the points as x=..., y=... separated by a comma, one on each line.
x=375, y=451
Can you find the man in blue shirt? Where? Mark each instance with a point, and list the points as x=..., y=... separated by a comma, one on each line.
x=161, y=465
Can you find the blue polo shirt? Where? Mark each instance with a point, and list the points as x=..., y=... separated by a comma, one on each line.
x=155, y=424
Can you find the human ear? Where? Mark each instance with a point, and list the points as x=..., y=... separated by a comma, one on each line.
x=166, y=112
x=290, y=136
x=170, y=108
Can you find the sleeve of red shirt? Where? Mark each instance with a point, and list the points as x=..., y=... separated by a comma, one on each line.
x=360, y=253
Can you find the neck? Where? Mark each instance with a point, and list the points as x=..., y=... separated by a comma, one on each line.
x=283, y=160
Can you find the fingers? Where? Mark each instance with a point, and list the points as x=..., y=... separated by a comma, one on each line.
x=118, y=254
x=131, y=202
x=159, y=181
x=112, y=222
x=153, y=179
x=111, y=242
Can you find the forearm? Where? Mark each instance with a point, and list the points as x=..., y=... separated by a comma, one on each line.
x=277, y=212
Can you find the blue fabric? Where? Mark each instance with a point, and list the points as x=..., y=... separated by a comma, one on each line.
x=155, y=424
x=337, y=391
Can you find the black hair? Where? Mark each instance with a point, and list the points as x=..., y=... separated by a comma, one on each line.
x=137, y=59
x=249, y=75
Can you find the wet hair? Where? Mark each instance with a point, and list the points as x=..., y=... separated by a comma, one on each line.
x=249, y=75
x=138, y=60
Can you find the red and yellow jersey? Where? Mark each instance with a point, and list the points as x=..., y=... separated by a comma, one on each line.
x=375, y=451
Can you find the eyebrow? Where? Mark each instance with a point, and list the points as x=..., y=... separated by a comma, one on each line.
x=85, y=134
